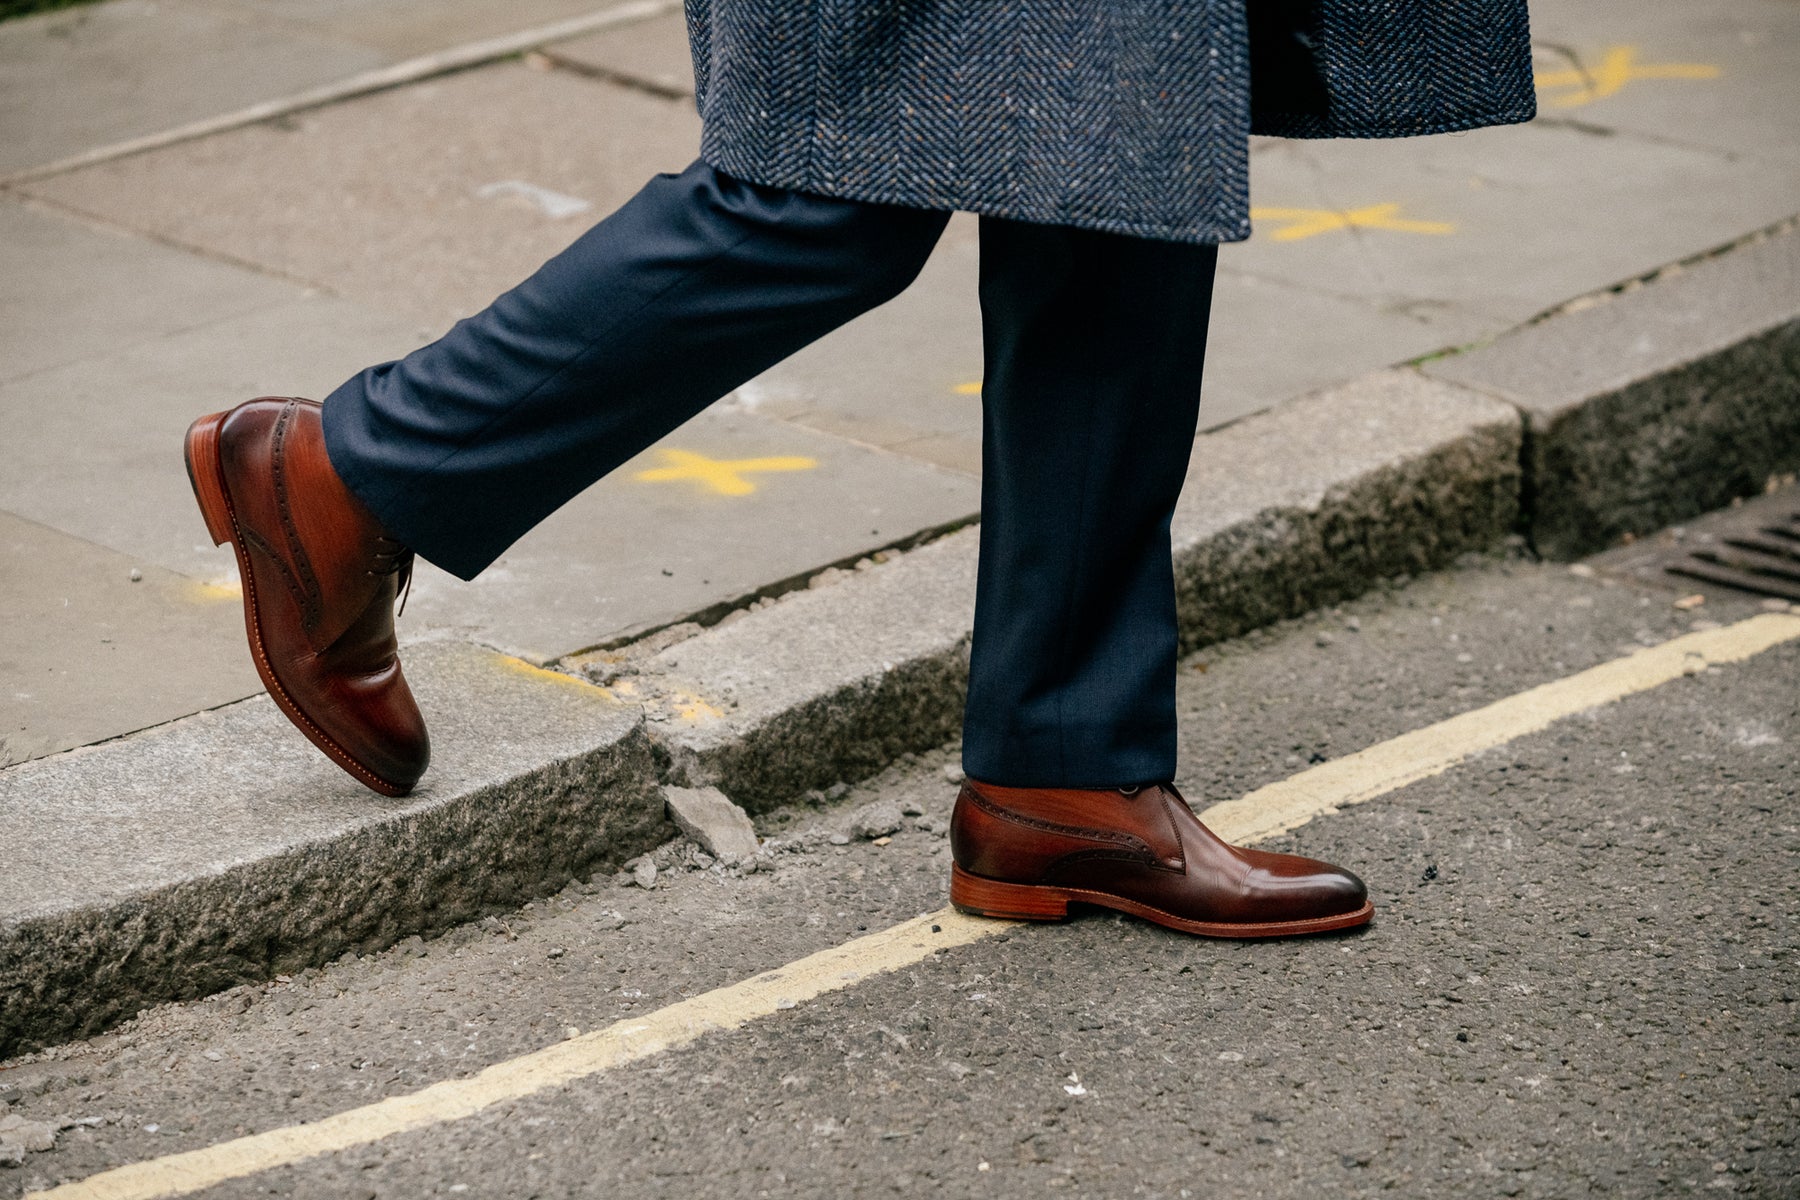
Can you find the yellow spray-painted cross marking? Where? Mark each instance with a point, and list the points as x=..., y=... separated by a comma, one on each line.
x=724, y=476
x=1310, y=222
x=213, y=593
x=1617, y=67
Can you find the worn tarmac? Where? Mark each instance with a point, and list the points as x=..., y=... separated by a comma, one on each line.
x=1578, y=982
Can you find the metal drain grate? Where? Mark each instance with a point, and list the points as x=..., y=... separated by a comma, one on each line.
x=1749, y=548
x=1764, y=561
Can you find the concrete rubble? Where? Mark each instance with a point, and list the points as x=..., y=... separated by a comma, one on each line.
x=878, y=818
x=721, y=828
x=19, y=1137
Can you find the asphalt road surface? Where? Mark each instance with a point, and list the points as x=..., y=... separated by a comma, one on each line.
x=1580, y=979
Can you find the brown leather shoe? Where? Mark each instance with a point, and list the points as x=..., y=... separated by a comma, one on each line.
x=1028, y=853
x=320, y=580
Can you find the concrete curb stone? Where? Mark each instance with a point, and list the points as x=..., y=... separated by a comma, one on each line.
x=1657, y=403
x=1315, y=500
x=222, y=849
x=827, y=684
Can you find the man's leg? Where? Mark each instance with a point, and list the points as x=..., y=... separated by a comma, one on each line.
x=1094, y=347
x=697, y=284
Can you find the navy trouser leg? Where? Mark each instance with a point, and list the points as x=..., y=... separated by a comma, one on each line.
x=1094, y=345
x=697, y=284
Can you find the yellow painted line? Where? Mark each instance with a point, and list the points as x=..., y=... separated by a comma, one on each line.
x=724, y=476
x=1261, y=814
x=972, y=388
x=530, y=670
x=1436, y=748
x=1311, y=222
x=588, y=1054
x=690, y=707
x=1617, y=68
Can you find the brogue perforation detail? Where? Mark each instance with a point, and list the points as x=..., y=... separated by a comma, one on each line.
x=1106, y=855
x=1114, y=836
x=311, y=605
x=308, y=605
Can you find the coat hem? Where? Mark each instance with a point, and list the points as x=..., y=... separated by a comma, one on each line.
x=1313, y=125
x=1205, y=235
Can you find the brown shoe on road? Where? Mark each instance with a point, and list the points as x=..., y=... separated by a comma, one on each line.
x=1028, y=853
x=320, y=580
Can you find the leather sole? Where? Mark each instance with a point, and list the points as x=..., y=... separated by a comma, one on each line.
x=206, y=473
x=981, y=897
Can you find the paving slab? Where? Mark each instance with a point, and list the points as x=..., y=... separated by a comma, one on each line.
x=102, y=73
x=904, y=376
x=631, y=554
x=896, y=378
x=649, y=54
x=1525, y=217
x=70, y=289
x=430, y=199
x=94, y=644
x=1713, y=73
x=1658, y=402
x=224, y=848
x=93, y=448
x=1271, y=339
x=407, y=28
x=628, y=555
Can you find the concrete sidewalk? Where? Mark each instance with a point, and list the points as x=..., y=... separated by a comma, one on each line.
x=278, y=257
x=282, y=256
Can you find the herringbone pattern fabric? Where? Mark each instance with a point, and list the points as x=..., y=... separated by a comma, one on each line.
x=1124, y=116
x=1388, y=68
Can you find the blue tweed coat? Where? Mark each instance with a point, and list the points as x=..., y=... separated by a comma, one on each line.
x=1129, y=116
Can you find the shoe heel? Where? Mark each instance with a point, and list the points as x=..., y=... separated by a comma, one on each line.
x=207, y=477
x=1011, y=901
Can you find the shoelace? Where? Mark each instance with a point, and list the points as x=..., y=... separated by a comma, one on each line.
x=398, y=561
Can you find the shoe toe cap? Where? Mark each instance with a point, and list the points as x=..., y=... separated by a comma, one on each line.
x=1299, y=888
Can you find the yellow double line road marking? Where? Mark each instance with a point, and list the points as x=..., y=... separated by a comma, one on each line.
x=1270, y=810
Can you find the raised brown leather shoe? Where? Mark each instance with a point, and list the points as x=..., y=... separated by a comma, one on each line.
x=320, y=580
x=1029, y=853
